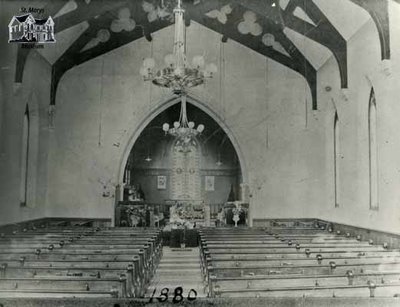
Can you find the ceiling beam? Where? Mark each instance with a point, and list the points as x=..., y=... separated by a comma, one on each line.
x=291, y=6
x=75, y=56
x=85, y=12
x=67, y=61
x=379, y=11
x=22, y=54
x=295, y=61
x=301, y=65
x=323, y=32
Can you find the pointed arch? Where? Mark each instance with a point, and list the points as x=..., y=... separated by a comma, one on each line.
x=24, y=158
x=336, y=157
x=161, y=106
x=373, y=152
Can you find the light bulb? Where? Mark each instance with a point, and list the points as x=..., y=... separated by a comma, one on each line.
x=191, y=125
x=210, y=70
x=179, y=71
x=165, y=127
x=144, y=71
x=198, y=61
x=170, y=60
x=149, y=63
x=176, y=125
x=200, y=128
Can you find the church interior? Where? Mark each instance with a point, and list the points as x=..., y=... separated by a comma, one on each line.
x=199, y=152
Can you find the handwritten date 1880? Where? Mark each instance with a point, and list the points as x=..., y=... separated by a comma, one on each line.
x=177, y=297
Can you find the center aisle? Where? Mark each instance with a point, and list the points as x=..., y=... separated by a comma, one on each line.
x=178, y=268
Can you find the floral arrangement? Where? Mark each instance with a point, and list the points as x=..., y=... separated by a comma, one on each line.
x=135, y=215
x=237, y=211
x=183, y=215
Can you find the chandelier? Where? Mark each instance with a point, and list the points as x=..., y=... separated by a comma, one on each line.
x=184, y=130
x=178, y=74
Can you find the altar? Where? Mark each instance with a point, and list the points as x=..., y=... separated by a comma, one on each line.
x=187, y=213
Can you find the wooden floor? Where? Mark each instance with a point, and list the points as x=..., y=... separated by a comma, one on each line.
x=178, y=268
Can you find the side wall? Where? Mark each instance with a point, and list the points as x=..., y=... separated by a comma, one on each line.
x=366, y=70
x=34, y=92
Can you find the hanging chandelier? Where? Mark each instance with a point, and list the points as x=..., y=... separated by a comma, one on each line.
x=178, y=75
x=184, y=130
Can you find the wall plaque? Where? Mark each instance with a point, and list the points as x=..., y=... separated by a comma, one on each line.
x=161, y=182
x=209, y=183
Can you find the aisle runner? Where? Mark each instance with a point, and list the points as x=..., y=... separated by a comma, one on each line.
x=178, y=268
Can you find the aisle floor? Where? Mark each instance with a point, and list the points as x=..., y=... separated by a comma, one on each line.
x=178, y=268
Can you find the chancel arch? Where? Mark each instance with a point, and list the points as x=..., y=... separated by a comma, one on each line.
x=208, y=172
x=134, y=132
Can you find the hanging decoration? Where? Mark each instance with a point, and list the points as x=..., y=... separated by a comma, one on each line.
x=178, y=75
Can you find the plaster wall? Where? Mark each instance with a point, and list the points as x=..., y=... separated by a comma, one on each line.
x=34, y=93
x=366, y=70
x=266, y=106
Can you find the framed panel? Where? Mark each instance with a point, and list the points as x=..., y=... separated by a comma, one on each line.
x=209, y=183
x=161, y=182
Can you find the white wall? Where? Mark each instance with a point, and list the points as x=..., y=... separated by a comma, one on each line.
x=103, y=101
x=366, y=70
x=35, y=93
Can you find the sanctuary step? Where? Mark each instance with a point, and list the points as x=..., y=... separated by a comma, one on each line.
x=178, y=268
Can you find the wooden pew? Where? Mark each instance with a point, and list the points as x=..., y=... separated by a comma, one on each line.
x=304, y=269
x=380, y=290
x=282, y=261
x=58, y=293
x=133, y=268
x=297, y=261
x=64, y=271
x=115, y=287
x=145, y=267
x=41, y=254
x=266, y=281
x=306, y=254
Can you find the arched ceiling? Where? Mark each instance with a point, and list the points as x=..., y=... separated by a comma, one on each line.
x=153, y=135
x=299, y=34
